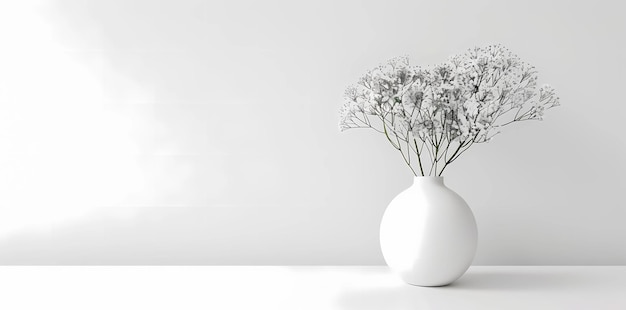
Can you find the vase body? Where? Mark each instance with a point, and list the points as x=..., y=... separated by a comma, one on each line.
x=428, y=234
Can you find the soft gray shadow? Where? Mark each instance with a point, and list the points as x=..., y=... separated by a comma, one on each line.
x=472, y=288
x=509, y=280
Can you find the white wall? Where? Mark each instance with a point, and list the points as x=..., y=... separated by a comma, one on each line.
x=205, y=132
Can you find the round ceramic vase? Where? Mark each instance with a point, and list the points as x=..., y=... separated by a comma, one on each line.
x=428, y=234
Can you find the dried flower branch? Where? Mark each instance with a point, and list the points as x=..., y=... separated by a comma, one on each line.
x=433, y=116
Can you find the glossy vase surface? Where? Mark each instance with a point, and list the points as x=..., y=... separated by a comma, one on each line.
x=428, y=234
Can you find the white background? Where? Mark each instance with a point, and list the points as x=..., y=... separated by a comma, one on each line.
x=205, y=132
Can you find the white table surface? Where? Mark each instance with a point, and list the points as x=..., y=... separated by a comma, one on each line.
x=293, y=288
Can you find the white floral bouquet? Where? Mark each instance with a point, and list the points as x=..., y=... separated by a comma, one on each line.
x=432, y=116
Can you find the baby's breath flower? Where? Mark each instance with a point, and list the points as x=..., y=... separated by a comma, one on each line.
x=461, y=102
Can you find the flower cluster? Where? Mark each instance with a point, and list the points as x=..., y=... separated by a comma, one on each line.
x=440, y=112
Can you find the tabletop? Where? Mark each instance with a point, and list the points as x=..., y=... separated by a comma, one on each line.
x=306, y=287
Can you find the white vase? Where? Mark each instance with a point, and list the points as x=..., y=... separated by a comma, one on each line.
x=428, y=234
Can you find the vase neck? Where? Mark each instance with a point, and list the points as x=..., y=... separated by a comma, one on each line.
x=423, y=180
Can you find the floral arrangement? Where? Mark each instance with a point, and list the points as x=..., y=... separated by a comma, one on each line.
x=432, y=116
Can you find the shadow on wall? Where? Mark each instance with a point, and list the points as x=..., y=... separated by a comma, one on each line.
x=206, y=152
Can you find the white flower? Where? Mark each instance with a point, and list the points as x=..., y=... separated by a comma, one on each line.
x=471, y=107
x=461, y=100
